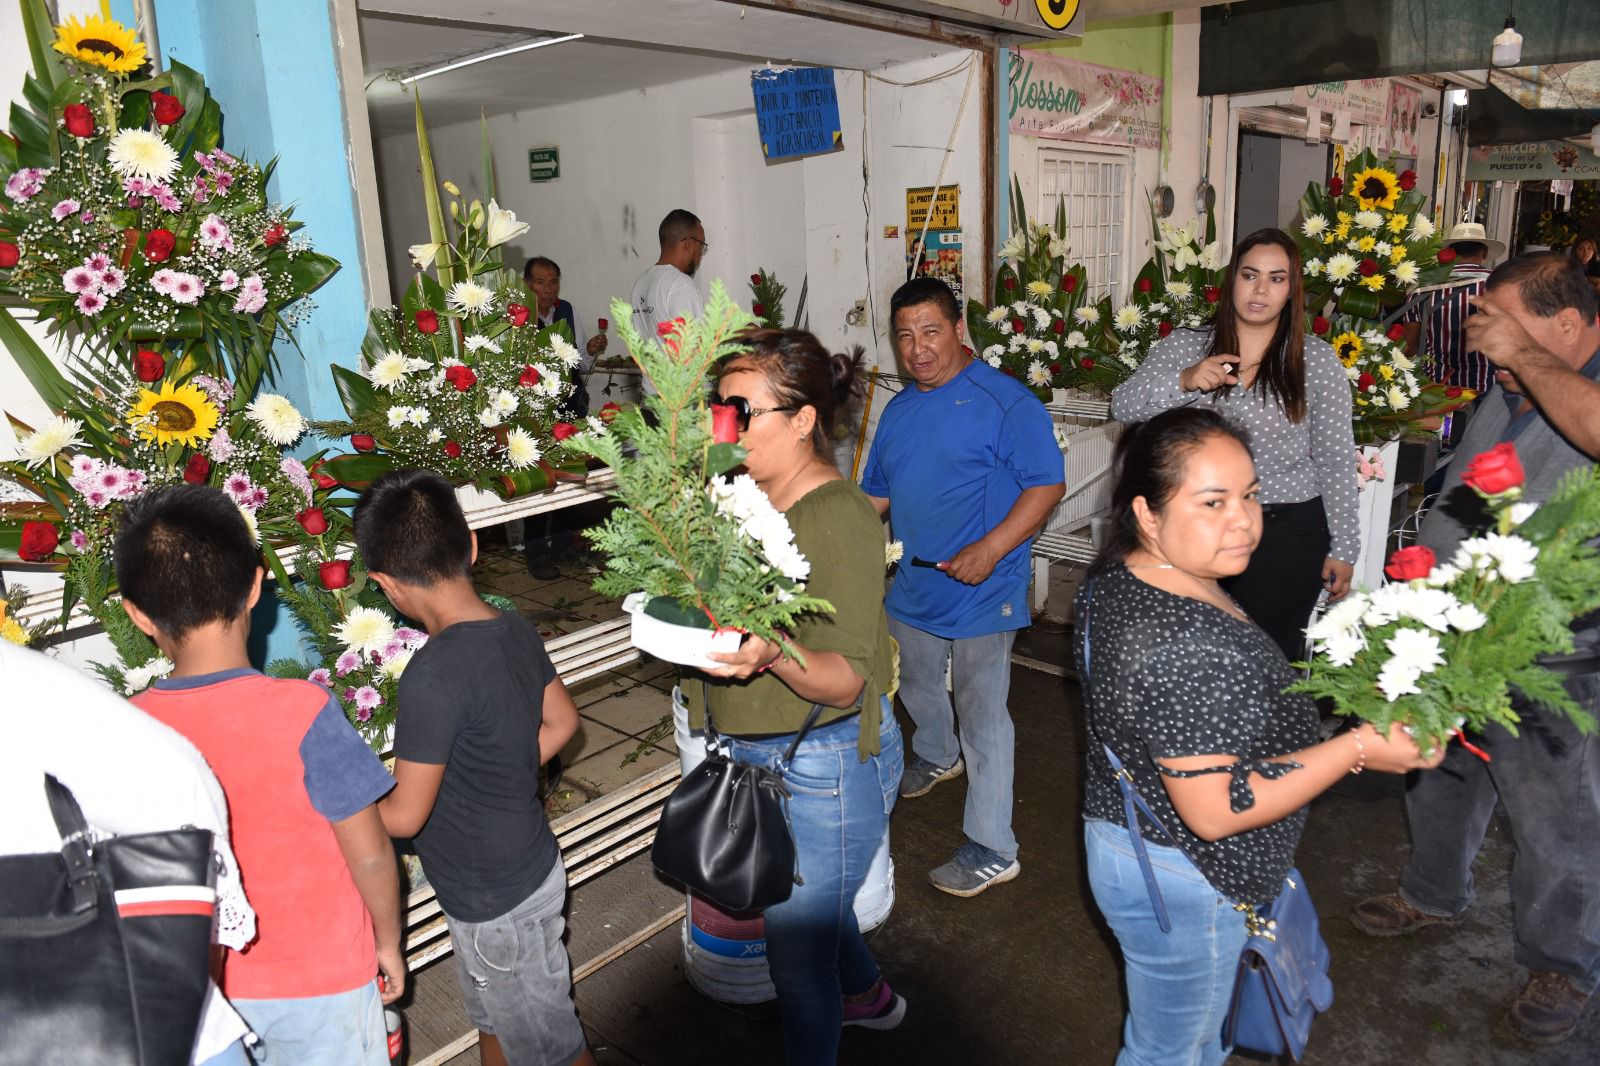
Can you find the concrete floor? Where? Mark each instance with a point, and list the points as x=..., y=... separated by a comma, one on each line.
x=1027, y=973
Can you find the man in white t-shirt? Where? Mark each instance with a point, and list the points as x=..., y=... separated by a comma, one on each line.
x=129, y=774
x=666, y=291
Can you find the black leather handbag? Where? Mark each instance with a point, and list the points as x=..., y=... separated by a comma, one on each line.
x=724, y=833
x=105, y=948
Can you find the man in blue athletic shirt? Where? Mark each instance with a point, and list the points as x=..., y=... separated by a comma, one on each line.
x=968, y=465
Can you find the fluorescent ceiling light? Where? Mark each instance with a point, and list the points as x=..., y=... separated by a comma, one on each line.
x=527, y=46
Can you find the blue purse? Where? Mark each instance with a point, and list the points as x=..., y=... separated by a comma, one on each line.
x=1282, y=983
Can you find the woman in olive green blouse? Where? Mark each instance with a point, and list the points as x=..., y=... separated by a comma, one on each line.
x=844, y=779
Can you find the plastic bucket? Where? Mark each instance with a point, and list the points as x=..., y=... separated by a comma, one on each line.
x=725, y=955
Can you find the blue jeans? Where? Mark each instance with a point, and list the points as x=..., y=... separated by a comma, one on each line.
x=1179, y=983
x=982, y=674
x=838, y=810
x=1549, y=781
x=340, y=1030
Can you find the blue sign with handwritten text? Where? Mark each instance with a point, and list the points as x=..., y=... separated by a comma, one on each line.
x=797, y=110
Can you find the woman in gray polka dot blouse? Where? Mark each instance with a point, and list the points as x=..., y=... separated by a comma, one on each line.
x=1259, y=368
x=1189, y=695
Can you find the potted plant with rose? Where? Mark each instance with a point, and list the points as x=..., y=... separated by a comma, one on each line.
x=699, y=556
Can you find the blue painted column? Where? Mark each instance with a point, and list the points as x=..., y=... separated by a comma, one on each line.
x=271, y=66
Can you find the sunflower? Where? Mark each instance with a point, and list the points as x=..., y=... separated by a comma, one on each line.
x=181, y=415
x=1348, y=345
x=102, y=42
x=1375, y=187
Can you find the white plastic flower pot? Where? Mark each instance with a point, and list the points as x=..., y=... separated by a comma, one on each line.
x=684, y=645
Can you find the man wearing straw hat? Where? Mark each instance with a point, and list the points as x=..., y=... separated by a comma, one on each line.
x=1442, y=320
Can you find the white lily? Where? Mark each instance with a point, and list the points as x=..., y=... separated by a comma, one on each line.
x=503, y=225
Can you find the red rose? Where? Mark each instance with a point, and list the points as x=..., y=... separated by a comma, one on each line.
x=529, y=378
x=518, y=314
x=9, y=254
x=724, y=423
x=427, y=321
x=276, y=234
x=327, y=481
x=1368, y=267
x=1408, y=180
x=1017, y=325
x=665, y=328
x=1213, y=294
x=158, y=245
x=1055, y=369
x=148, y=366
x=1320, y=325
x=1336, y=187
x=1453, y=391
x=1397, y=332
x=1069, y=283
x=1088, y=364
x=604, y=325
x=1011, y=283
x=759, y=310
x=1164, y=329
x=197, y=469
x=461, y=376
x=1447, y=255
x=1408, y=564
x=1366, y=381
x=313, y=521
x=78, y=120
x=563, y=430
x=1008, y=372
x=608, y=411
x=755, y=279
x=1495, y=471
x=39, y=540
x=335, y=574
x=362, y=442
x=167, y=108
x=1143, y=285
x=452, y=449
x=1058, y=327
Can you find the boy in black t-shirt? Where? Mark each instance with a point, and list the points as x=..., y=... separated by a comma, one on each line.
x=481, y=708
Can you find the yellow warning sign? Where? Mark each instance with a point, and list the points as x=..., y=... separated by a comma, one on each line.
x=946, y=209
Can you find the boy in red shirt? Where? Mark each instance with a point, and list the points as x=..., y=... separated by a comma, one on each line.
x=481, y=708
x=301, y=785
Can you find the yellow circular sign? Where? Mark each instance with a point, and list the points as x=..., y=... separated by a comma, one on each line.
x=1057, y=14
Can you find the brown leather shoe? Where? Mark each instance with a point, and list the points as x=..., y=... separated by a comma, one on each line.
x=1547, y=1009
x=1391, y=915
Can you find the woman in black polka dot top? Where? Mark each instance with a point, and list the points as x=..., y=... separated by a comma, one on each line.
x=1188, y=693
x=1258, y=367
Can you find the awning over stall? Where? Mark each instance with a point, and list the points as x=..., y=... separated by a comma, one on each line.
x=1495, y=118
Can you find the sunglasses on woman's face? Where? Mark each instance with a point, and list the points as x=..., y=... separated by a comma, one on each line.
x=746, y=412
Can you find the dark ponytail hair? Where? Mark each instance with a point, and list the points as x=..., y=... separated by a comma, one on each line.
x=1149, y=461
x=1282, y=374
x=801, y=371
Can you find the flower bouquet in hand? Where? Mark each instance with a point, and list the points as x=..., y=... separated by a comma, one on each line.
x=689, y=548
x=1388, y=392
x=1440, y=649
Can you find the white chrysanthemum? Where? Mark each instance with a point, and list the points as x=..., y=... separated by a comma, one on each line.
x=249, y=517
x=1342, y=647
x=389, y=371
x=1038, y=374
x=1397, y=398
x=435, y=435
x=1128, y=318
x=893, y=552
x=1465, y=618
x=1040, y=288
x=1421, y=227
x=477, y=343
x=137, y=153
x=53, y=434
x=521, y=449
x=1396, y=680
x=470, y=298
x=1346, y=614
x=564, y=351
x=992, y=358
x=1368, y=220
x=365, y=630
x=1430, y=606
x=1511, y=556
x=1088, y=315
x=743, y=499
x=1034, y=346
x=138, y=678
x=1415, y=649
x=1020, y=307
x=1341, y=267
x=1314, y=226
x=1005, y=326
x=1315, y=267
x=1442, y=575
x=488, y=418
x=1041, y=318
x=1405, y=272
x=397, y=416
x=994, y=351
x=1180, y=289
x=280, y=422
x=997, y=315
x=504, y=401
x=1401, y=361
x=1383, y=248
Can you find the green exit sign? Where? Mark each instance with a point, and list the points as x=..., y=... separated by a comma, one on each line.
x=544, y=164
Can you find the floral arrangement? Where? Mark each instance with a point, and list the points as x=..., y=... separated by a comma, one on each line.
x=1043, y=330
x=766, y=299
x=1369, y=466
x=1388, y=393
x=709, y=552
x=1441, y=648
x=12, y=628
x=459, y=378
x=1555, y=229
x=1366, y=240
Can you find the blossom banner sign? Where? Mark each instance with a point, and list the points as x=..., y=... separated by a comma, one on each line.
x=797, y=111
x=1366, y=100
x=1066, y=100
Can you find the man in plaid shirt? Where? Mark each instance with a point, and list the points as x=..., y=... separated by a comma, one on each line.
x=1441, y=319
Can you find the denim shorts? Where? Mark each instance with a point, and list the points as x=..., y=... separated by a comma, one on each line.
x=516, y=980
x=344, y=1029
